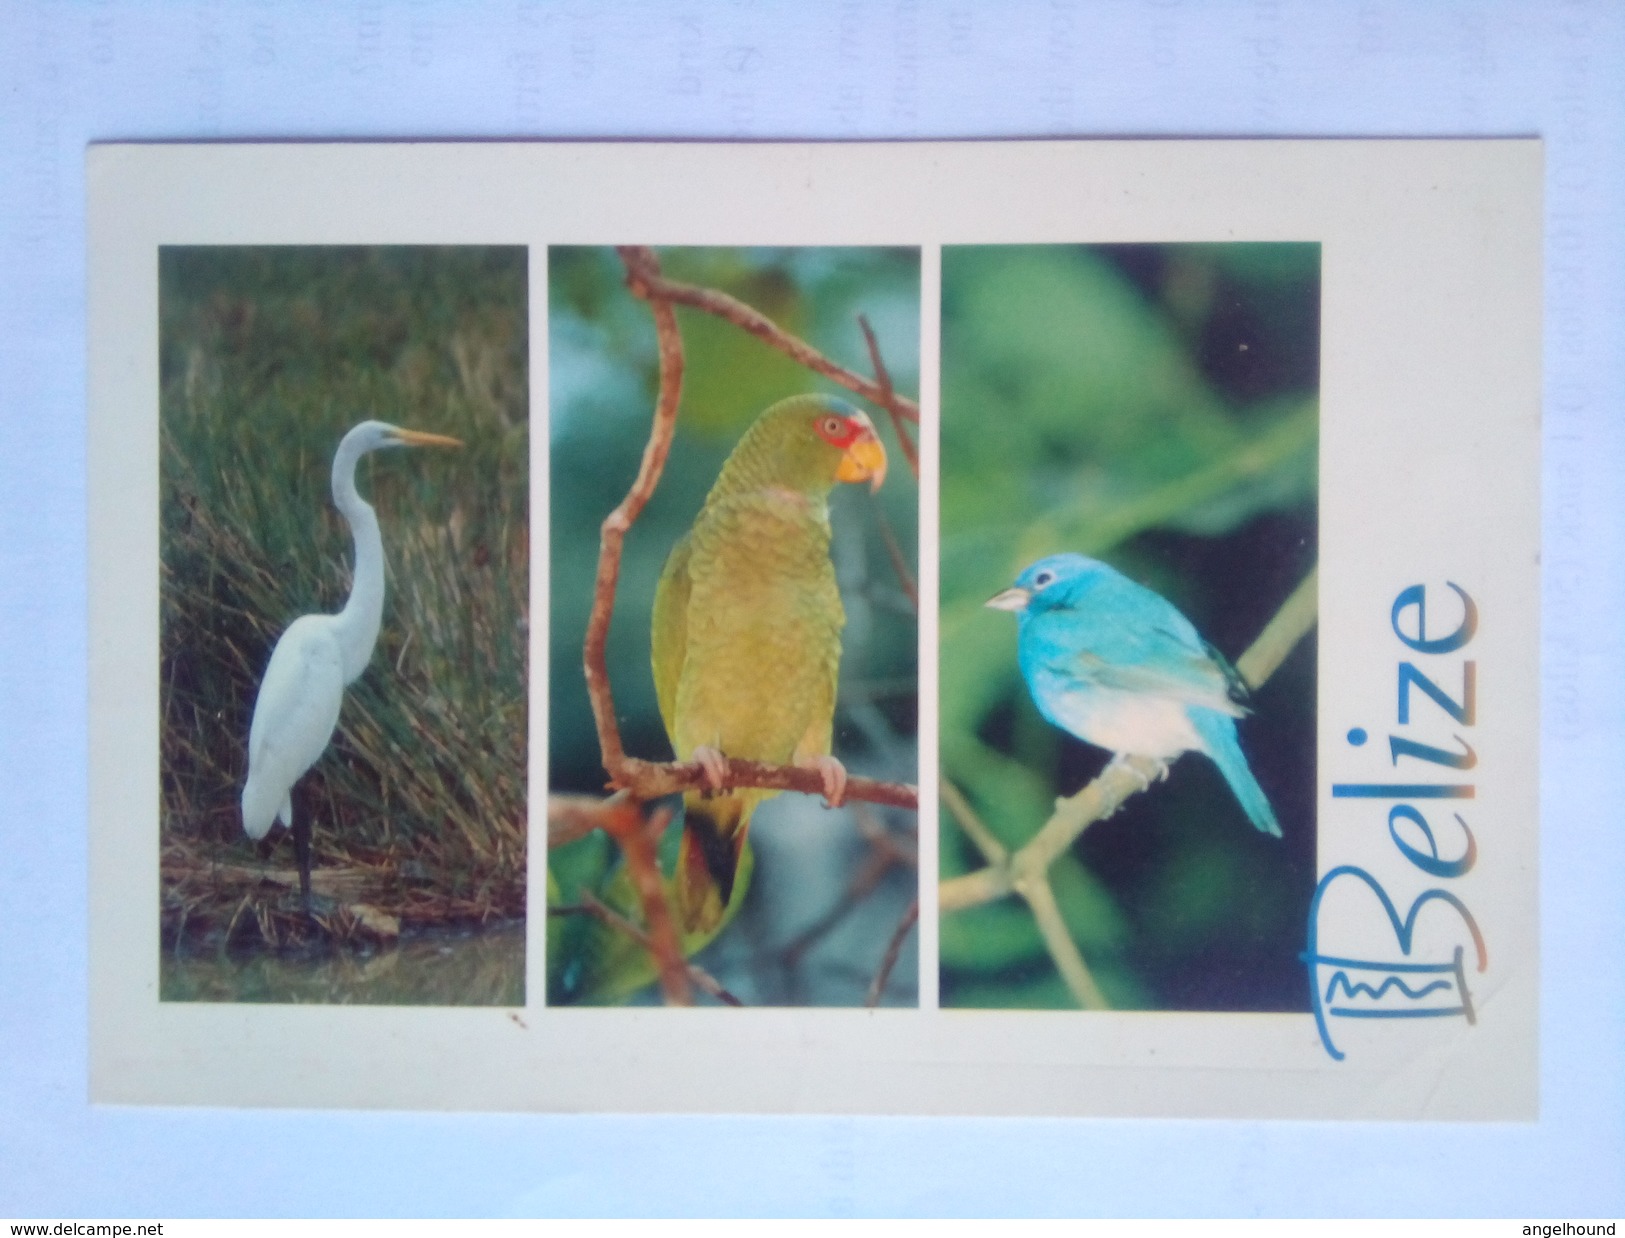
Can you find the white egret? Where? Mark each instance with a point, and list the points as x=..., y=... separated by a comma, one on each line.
x=299, y=698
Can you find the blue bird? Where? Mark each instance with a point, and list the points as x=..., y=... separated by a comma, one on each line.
x=1116, y=665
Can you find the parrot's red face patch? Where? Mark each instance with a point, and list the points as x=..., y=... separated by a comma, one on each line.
x=862, y=456
x=842, y=432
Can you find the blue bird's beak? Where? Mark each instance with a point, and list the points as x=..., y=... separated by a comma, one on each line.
x=1010, y=599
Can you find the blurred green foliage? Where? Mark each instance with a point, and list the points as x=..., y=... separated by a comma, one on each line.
x=603, y=377
x=1155, y=406
x=268, y=356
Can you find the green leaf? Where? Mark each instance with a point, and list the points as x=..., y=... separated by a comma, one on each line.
x=990, y=938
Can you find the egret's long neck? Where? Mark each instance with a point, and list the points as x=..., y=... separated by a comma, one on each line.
x=358, y=622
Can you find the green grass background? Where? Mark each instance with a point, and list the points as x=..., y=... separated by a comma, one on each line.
x=268, y=356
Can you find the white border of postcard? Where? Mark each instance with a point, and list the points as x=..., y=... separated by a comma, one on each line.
x=1430, y=408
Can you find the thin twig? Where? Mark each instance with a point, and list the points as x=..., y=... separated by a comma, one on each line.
x=763, y=328
x=993, y=851
x=875, y=866
x=875, y=833
x=641, y=265
x=570, y=817
x=592, y=906
x=894, y=552
x=894, y=950
x=624, y=823
x=973, y=889
x=651, y=779
x=1099, y=800
x=1282, y=633
x=885, y=853
x=1062, y=949
x=888, y=400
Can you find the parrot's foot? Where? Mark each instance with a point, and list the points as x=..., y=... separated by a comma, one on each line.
x=833, y=774
x=713, y=763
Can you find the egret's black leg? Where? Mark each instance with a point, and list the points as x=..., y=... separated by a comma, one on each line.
x=301, y=849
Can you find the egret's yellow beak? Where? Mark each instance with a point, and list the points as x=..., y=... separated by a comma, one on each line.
x=863, y=460
x=1010, y=599
x=421, y=438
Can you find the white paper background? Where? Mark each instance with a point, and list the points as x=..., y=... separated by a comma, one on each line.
x=75, y=74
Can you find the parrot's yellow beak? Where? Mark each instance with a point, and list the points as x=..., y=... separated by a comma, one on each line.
x=864, y=460
x=1010, y=599
x=421, y=438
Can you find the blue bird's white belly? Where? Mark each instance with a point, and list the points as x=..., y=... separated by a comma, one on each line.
x=1134, y=723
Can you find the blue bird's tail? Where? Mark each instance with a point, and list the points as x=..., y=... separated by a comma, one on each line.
x=1218, y=733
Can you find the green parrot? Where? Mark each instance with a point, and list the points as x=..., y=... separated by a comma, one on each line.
x=747, y=629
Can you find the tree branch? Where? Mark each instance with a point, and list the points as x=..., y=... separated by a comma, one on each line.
x=885, y=853
x=889, y=398
x=624, y=823
x=993, y=851
x=1282, y=633
x=605, y=914
x=652, y=779
x=746, y=318
x=641, y=266
x=894, y=950
x=1062, y=949
x=570, y=817
x=894, y=552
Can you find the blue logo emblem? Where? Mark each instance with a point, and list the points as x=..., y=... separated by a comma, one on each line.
x=1392, y=987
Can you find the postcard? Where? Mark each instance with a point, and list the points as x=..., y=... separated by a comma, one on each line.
x=945, y=628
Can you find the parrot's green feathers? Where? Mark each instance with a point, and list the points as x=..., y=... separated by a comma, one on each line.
x=597, y=965
x=746, y=628
x=669, y=629
x=745, y=648
x=798, y=445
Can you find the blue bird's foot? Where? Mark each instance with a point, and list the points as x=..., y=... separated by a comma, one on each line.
x=1125, y=760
